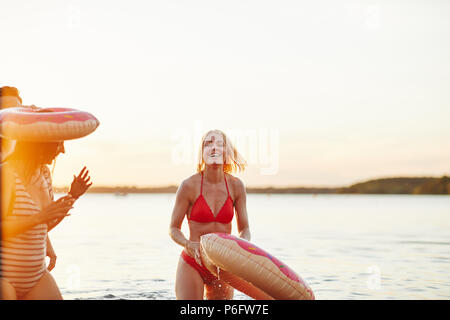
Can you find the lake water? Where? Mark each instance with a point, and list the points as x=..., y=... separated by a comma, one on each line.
x=343, y=246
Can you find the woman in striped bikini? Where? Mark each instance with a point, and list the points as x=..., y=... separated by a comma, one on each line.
x=200, y=198
x=28, y=214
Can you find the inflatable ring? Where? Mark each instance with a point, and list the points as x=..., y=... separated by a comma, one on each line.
x=250, y=269
x=46, y=125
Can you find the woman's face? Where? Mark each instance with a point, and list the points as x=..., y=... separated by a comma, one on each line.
x=213, y=149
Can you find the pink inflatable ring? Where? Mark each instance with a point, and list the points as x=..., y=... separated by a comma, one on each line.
x=46, y=125
x=250, y=269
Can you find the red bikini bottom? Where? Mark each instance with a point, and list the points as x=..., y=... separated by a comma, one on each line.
x=207, y=276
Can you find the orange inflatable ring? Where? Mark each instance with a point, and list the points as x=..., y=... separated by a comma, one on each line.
x=250, y=269
x=46, y=125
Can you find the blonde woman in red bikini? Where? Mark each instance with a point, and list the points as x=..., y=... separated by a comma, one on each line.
x=209, y=200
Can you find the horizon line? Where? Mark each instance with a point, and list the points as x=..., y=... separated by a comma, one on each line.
x=264, y=186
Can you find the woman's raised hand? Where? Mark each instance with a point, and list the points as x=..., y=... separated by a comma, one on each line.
x=80, y=184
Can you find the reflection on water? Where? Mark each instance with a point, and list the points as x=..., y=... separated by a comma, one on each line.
x=344, y=246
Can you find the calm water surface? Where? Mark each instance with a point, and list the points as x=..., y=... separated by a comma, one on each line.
x=343, y=246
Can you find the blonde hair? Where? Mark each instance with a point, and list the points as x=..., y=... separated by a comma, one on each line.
x=234, y=161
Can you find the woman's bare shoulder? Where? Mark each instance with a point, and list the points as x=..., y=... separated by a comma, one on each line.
x=235, y=180
x=188, y=185
x=236, y=183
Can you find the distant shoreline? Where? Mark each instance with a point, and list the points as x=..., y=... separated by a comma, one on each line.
x=399, y=185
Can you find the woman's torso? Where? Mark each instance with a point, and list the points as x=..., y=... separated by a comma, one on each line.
x=216, y=200
x=23, y=255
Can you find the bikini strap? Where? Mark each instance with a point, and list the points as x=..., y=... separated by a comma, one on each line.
x=226, y=184
x=48, y=181
x=201, y=186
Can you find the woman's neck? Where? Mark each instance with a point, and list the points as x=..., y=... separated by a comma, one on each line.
x=214, y=174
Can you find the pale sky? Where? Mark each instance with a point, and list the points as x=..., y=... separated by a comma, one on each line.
x=319, y=93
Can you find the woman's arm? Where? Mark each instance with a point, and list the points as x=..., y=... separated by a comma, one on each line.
x=12, y=226
x=240, y=203
x=51, y=254
x=66, y=199
x=178, y=213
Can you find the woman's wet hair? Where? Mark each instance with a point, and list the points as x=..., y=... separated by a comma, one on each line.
x=34, y=155
x=234, y=161
x=9, y=92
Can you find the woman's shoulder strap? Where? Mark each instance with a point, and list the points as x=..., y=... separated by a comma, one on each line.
x=201, y=184
x=48, y=179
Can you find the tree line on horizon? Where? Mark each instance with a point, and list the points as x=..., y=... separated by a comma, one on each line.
x=399, y=185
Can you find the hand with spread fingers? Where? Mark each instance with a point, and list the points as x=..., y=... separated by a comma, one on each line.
x=80, y=184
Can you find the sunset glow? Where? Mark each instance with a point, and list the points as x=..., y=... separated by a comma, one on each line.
x=314, y=94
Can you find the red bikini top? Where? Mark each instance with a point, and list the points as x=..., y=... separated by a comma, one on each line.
x=201, y=212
